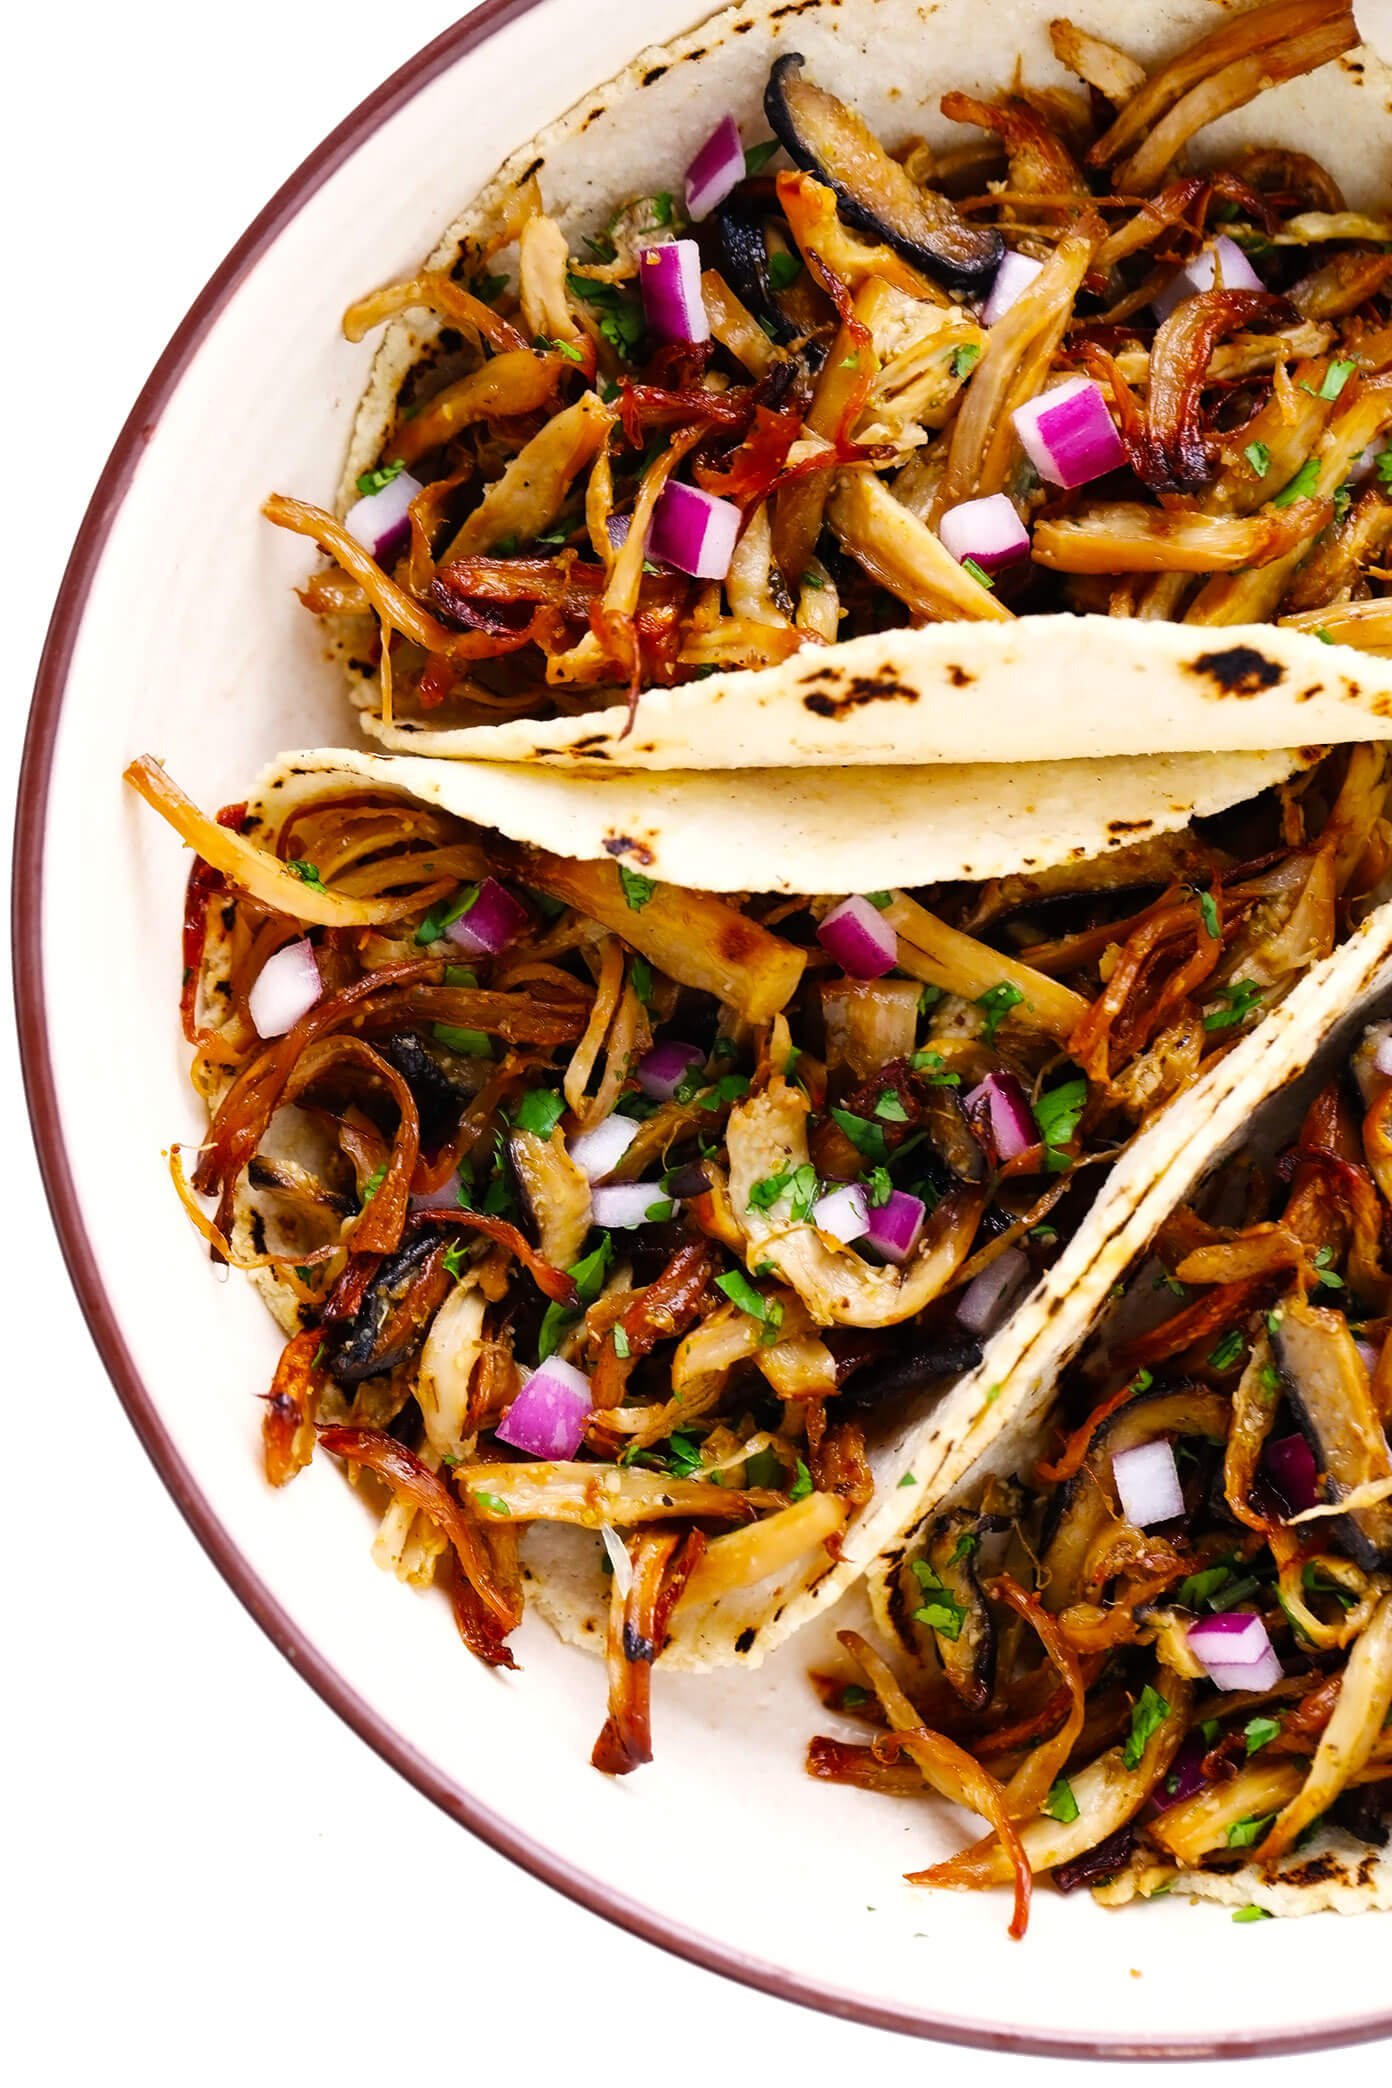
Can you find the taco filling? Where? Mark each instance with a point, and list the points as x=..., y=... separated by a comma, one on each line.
x=1160, y=1656
x=842, y=384
x=589, y=1201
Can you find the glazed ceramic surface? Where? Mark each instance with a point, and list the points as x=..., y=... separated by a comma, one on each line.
x=179, y=634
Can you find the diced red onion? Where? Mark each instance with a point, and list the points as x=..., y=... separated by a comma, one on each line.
x=670, y=278
x=843, y=1212
x=894, y=1227
x=717, y=168
x=597, y=1153
x=1382, y=1057
x=1147, y=1481
x=445, y=1198
x=988, y=1298
x=1370, y=1353
x=1013, y=278
x=988, y=531
x=379, y=521
x=693, y=531
x=548, y=1416
x=618, y=1557
x=1289, y=1464
x=617, y=528
x=1185, y=1780
x=494, y=920
x=621, y=1206
x=287, y=987
x=859, y=937
x=1010, y=1116
x=1202, y=273
x=1068, y=433
x=1235, y=1651
x=661, y=1071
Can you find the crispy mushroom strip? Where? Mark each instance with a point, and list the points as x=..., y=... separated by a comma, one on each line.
x=1122, y=536
x=1115, y=76
x=639, y=1613
x=693, y=936
x=1365, y=1699
x=767, y=1135
x=904, y=555
x=532, y=491
x=1196, y=86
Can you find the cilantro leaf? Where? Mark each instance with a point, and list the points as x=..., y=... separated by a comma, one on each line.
x=619, y=317
x=637, y=889
x=1301, y=486
x=374, y=1183
x=381, y=475
x=1148, y=1714
x=978, y=573
x=640, y=977
x=879, y=1187
x=964, y=358
x=492, y=1502
x=1324, y=1273
x=1057, y=1113
x=997, y=1003
x=890, y=1110
x=447, y=911
x=1336, y=377
x=1260, y=1732
x=469, y=1043
x=802, y=1483
x=1061, y=1805
x=1240, y=998
x=539, y=1111
x=1259, y=457
x=867, y=1138
x=1243, y=1834
x=783, y=269
x=941, y=1612
x=740, y=1291
x=307, y=874
x=588, y=1277
x=757, y=157
x=1226, y=1352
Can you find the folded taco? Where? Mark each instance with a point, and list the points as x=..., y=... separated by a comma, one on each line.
x=837, y=389
x=658, y=1252
x=1153, y=1626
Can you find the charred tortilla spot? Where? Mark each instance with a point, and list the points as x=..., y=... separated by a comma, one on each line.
x=625, y=845
x=653, y=75
x=1128, y=826
x=637, y=1646
x=861, y=691
x=959, y=677
x=745, y=1639
x=527, y=172
x=1239, y=670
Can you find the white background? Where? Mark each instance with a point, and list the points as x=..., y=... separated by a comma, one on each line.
x=204, y=1876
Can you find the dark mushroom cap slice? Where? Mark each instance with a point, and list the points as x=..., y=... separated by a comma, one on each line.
x=397, y=1308
x=874, y=194
x=740, y=248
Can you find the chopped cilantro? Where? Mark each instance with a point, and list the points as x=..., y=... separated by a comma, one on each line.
x=588, y=1277
x=1300, y=487
x=637, y=889
x=540, y=1111
x=469, y=1043
x=640, y=977
x=619, y=318
x=371, y=482
x=867, y=1138
x=997, y=1002
x=683, y=1454
x=1269, y=1378
x=488, y=288
x=890, y=1110
x=307, y=874
x=1259, y=1733
x=1226, y=1352
x=566, y=348
x=658, y=1213
x=1057, y=1113
x=853, y=1696
x=964, y=359
x=1060, y=1804
x=1324, y=635
x=1247, y=1913
x=941, y=1612
x=931, y=1062
x=492, y=1502
x=1240, y=998
x=1316, y=1581
x=1208, y=911
x=1383, y=466
x=741, y=1292
x=879, y=899
x=908, y=1480
x=849, y=362
x=1259, y=457
x=813, y=579
x=878, y=1187
x=978, y=573
x=445, y=913
x=1336, y=377
x=1198, y=1589
x=798, y=1184
x=802, y=1483
x=928, y=998
x=1324, y=1273
x=757, y=157
x=1244, y=1834
x=374, y=1182
x=783, y=269
x=460, y=975
x=1148, y=1714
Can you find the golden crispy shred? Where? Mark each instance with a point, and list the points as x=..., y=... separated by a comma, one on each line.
x=904, y=555
x=943, y=956
x=741, y=1558
x=516, y=382
x=1354, y=1730
x=593, y=1494
x=1100, y=64
x=692, y=936
x=1126, y=537
x=533, y=489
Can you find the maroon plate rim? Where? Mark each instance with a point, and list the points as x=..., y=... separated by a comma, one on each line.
x=103, y=1318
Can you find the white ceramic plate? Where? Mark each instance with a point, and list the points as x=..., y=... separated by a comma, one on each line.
x=176, y=632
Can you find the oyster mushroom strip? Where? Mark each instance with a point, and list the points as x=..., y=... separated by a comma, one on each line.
x=943, y=956
x=589, y=1494
x=767, y=1135
x=693, y=937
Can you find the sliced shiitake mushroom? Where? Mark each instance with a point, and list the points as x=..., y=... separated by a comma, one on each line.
x=1329, y=1394
x=397, y=1308
x=555, y=1192
x=951, y=1136
x=952, y=1608
x=941, y=1352
x=874, y=194
x=740, y=248
x=439, y=1102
